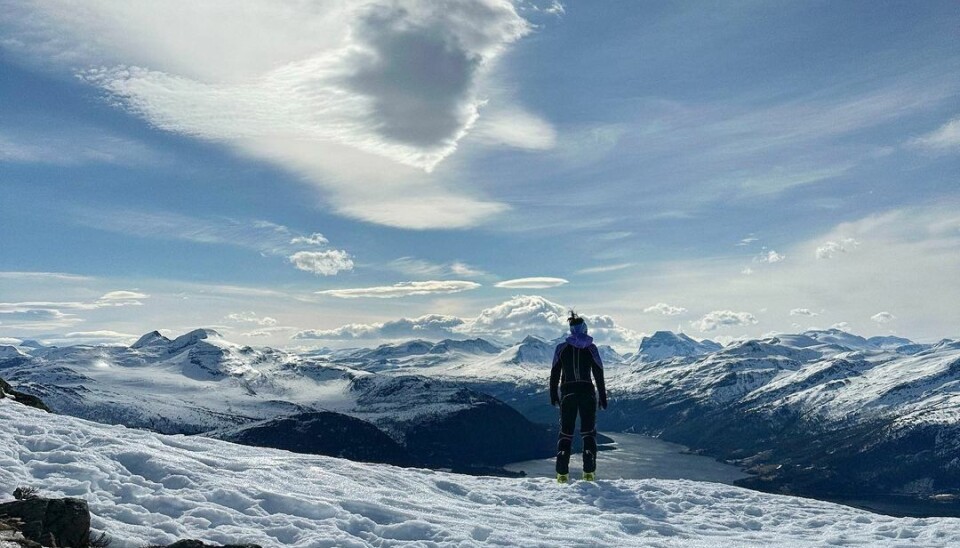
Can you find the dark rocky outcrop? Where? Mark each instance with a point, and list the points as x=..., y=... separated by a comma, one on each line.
x=10, y=534
x=6, y=391
x=50, y=522
x=322, y=433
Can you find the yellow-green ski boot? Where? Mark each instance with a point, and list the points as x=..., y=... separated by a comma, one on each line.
x=588, y=476
x=563, y=478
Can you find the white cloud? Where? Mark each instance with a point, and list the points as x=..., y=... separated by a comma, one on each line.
x=906, y=260
x=723, y=318
x=364, y=99
x=323, y=263
x=109, y=299
x=610, y=236
x=665, y=309
x=56, y=276
x=122, y=298
x=71, y=147
x=463, y=269
x=431, y=326
x=747, y=241
x=883, y=317
x=830, y=249
x=99, y=334
x=516, y=128
x=538, y=282
x=747, y=271
x=803, y=312
x=607, y=268
x=269, y=331
x=402, y=289
x=842, y=326
x=508, y=321
x=251, y=317
x=945, y=138
x=265, y=237
x=50, y=314
x=36, y=318
x=314, y=239
x=770, y=257
x=10, y=341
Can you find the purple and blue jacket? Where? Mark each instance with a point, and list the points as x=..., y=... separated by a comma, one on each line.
x=575, y=361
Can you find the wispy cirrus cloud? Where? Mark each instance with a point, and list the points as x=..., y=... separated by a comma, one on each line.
x=36, y=315
x=54, y=276
x=99, y=334
x=605, y=268
x=402, y=289
x=412, y=266
x=72, y=147
x=36, y=318
x=265, y=237
x=945, y=138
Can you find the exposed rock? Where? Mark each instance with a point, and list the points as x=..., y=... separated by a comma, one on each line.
x=51, y=522
x=10, y=535
x=322, y=433
x=6, y=391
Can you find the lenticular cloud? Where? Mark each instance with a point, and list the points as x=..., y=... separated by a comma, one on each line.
x=363, y=98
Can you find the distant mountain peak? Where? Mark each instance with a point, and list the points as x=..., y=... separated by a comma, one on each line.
x=150, y=339
x=667, y=344
x=10, y=352
x=193, y=337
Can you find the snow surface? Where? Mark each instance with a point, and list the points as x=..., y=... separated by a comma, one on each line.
x=145, y=488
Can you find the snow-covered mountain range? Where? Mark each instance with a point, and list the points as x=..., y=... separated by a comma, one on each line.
x=823, y=413
x=201, y=383
x=145, y=489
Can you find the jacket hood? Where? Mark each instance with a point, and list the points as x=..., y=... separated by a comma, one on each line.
x=578, y=336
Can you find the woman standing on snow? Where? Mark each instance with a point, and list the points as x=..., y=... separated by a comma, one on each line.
x=570, y=386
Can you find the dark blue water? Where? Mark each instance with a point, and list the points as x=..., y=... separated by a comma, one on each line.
x=635, y=457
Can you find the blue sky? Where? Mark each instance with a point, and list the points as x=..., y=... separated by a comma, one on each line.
x=730, y=169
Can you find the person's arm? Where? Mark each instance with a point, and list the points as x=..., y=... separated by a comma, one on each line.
x=555, y=375
x=598, y=376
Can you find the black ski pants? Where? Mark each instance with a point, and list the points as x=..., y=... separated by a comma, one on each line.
x=578, y=401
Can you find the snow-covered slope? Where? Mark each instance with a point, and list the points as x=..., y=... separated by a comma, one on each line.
x=10, y=352
x=145, y=488
x=200, y=382
x=823, y=413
